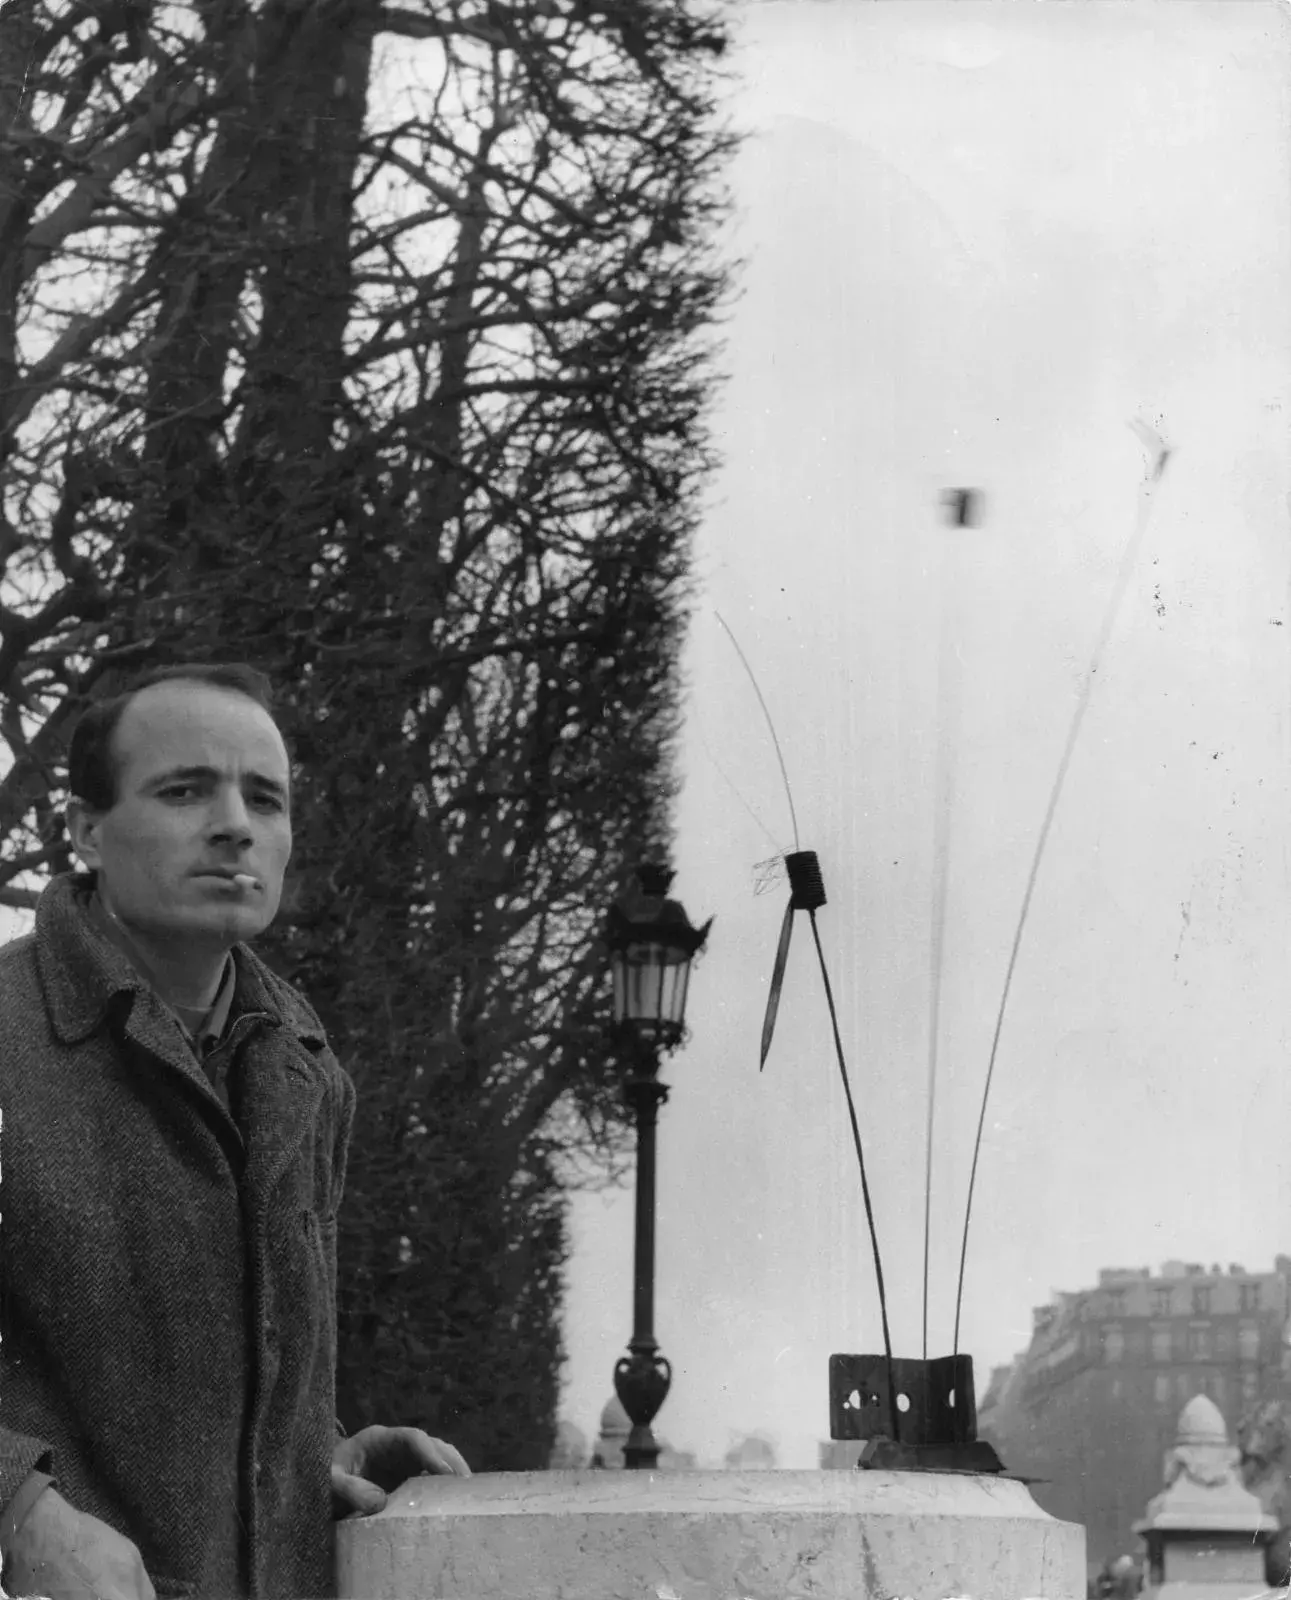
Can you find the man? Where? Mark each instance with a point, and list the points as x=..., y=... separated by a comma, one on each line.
x=174, y=1142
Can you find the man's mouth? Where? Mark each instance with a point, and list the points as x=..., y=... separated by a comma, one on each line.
x=241, y=880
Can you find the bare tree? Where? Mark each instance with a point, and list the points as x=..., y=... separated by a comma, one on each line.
x=371, y=343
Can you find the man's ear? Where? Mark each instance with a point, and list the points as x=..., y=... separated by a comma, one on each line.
x=83, y=830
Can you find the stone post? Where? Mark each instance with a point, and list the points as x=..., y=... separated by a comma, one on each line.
x=1205, y=1532
x=871, y=1535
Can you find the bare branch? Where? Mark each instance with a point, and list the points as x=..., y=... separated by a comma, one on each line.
x=166, y=107
x=414, y=25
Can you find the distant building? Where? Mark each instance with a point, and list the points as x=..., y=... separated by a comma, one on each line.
x=751, y=1452
x=1091, y=1406
x=616, y=1425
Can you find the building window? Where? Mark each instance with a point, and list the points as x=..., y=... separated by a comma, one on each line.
x=1163, y=1388
x=1160, y=1344
x=1249, y=1294
x=1161, y=1302
x=1116, y=1303
x=1216, y=1389
x=1248, y=1341
x=1250, y=1385
x=1113, y=1343
x=1201, y=1300
x=1200, y=1344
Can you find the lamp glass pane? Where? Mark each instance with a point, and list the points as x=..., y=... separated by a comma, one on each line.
x=682, y=989
x=651, y=978
x=649, y=974
x=674, y=994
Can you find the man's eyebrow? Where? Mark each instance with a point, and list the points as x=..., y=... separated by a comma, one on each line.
x=261, y=780
x=176, y=774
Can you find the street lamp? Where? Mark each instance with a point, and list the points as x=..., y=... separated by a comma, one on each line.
x=652, y=945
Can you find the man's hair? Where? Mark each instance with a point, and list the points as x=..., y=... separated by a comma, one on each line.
x=91, y=764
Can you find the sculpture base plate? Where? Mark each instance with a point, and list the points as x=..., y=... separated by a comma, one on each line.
x=975, y=1457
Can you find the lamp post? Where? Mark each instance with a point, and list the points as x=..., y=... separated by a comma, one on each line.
x=652, y=945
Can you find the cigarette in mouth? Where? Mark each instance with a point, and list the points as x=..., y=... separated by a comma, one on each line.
x=244, y=880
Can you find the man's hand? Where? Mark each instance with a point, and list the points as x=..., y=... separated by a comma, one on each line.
x=366, y=1467
x=61, y=1553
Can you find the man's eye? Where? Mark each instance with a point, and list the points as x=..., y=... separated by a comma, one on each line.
x=270, y=802
x=178, y=791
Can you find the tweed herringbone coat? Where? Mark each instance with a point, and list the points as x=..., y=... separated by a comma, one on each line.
x=168, y=1288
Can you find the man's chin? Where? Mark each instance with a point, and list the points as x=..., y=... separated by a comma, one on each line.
x=244, y=923
x=225, y=924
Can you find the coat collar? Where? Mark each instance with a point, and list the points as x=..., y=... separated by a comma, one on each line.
x=82, y=972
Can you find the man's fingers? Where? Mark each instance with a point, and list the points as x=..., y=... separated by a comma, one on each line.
x=351, y=1493
x=390, y=1456
x=437, y=1455
x=453, y=1459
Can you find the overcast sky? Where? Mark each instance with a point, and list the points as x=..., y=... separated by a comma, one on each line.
x=980, y=238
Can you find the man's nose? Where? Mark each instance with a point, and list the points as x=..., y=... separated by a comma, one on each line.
x=231, y=820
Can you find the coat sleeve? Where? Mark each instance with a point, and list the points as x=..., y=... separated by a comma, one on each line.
x=21, y=1455
x=344, y=1121
x=24, y=1476
x=14, y=1514
x=340, y=1154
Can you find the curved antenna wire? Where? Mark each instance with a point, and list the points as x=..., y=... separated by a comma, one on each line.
x=838, y=1044
x=770, y=725
x=731, y=785
x=1156, y=466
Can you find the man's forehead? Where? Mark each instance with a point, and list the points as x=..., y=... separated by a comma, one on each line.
x=170, y=720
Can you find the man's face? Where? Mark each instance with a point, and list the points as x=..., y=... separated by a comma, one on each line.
x=202, y=793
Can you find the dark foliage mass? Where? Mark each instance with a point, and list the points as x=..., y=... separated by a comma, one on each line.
x=1264, y=1439
x=367, y=343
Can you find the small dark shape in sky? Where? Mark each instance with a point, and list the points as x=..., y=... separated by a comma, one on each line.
x=963, y=507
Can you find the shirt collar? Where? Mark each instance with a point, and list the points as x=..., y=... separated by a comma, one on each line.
x=211, y=1027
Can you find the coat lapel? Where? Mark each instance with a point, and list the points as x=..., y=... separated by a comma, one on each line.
x=282, y=1083
x=84, y=976
x=280, y=1103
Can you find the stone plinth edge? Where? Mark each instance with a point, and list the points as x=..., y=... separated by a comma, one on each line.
x=711, y=1536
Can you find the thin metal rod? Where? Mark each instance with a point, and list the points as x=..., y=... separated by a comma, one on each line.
x=937, y=935
x=1155, y=469
x=793, y=815
x=865, y=1188
x=731, y=785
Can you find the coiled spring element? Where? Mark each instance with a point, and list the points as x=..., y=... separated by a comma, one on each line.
x=805, y=882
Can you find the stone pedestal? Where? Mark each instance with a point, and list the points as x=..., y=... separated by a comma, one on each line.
x=711, y=1536
x=1205, y=1531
